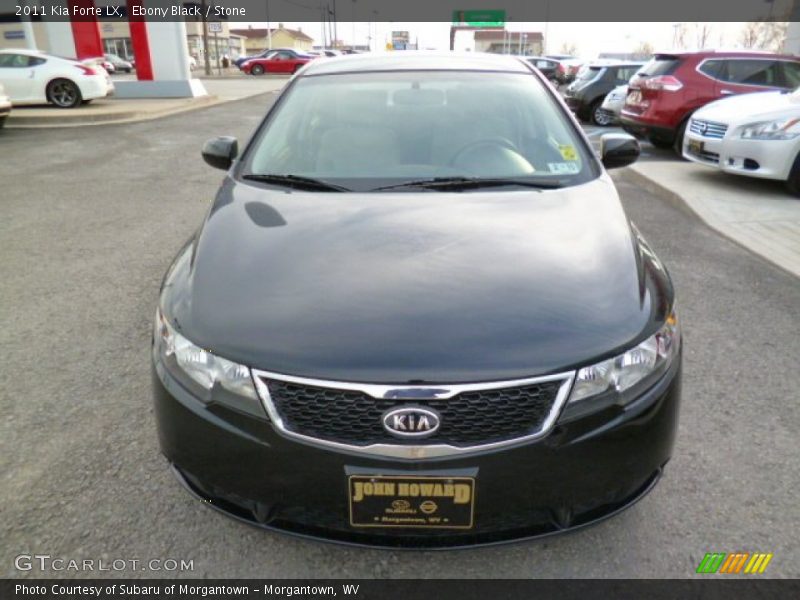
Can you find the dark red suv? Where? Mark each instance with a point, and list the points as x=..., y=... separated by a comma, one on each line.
x=664, y=93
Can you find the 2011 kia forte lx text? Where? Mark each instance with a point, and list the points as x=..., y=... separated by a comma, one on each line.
x=417, y=315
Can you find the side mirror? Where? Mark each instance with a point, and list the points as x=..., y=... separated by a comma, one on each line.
x=219, y=152
x=618, y=150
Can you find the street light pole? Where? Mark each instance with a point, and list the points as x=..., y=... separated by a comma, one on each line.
x=206, y=58
x=269, y=29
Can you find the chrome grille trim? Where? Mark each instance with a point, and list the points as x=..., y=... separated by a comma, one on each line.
x=709, y=129
x=421, y=391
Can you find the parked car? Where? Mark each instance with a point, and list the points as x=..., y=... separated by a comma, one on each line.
x=119, y=64
x=567, y=69
x=282, y=61
x=265, y=54
x=5, y=106
x=585, y=95
x=33, y=77
x=417, y=281
x=757, y=135
x=546, y=66
x=559, y=56
x=613, y=103
x=668, y=89
x=100, y=62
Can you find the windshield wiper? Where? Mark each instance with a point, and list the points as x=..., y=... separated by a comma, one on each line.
x=466, y=183
x=296, y=181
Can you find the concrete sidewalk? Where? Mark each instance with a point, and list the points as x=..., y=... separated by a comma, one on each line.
x=118, y=110
x=758, y=214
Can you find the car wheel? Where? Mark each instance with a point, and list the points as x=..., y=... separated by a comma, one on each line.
x=599, y=116
x=63, y=93
x=793, y=182
x=677, y=145
x=660, y=142
x=257, y=70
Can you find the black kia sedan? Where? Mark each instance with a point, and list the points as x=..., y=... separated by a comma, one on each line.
x=416, y=314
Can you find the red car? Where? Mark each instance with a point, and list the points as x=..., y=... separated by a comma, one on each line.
x=664, y=93
x=283, y=61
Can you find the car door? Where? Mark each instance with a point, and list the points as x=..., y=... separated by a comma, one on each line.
x=281, y=62
x=17, y=76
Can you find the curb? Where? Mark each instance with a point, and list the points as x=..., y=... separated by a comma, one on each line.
x=83, y=120
x=673, y=198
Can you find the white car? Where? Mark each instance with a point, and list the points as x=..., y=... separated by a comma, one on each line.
x=5, y=106
x=613, y=103
x=757, y=135
x=33, y=77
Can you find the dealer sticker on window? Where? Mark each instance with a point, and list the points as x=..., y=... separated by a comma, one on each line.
x=564, y=168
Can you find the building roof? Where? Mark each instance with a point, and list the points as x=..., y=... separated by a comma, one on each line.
x=261, y=33
x=415, y=60
x=498, y=35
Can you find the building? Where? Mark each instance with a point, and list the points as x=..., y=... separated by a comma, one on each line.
x=116, y=38
x=500, y=41
x=258, y=39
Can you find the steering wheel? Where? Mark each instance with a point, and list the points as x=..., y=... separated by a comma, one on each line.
x=495, y=141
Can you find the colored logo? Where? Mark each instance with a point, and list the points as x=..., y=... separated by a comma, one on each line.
x=736, y=562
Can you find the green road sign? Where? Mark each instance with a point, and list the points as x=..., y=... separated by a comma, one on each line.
x=479, y=18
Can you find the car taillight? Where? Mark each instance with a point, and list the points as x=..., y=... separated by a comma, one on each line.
x=86, y=70
x=668, y=83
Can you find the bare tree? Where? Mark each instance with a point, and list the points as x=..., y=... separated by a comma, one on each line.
x=703, y=31
x=569, y=48
x=680, y=33
x=643, y=50
x=763, y=35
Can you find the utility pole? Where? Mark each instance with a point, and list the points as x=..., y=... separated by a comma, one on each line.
x=335, y=31
x=269, y=29
x=204, y=22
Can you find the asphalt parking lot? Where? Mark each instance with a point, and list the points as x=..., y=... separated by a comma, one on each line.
x=93, y=216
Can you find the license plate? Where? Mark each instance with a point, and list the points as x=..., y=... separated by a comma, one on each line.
x=411, y=502
x=695, y=146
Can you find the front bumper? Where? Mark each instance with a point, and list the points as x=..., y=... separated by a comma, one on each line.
x=766, y=159
x=585, y=470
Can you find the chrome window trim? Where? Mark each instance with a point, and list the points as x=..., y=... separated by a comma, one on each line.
x=765, y=57
x=422, y=391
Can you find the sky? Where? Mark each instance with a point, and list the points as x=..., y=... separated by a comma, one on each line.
x=590, y=38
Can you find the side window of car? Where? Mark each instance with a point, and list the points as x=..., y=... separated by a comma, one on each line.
x=35, y=61
x=753, y=72
x=712, y=68
x=13, y=61
x=791, y=74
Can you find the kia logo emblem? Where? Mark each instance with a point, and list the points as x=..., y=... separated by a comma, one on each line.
x=411, y=422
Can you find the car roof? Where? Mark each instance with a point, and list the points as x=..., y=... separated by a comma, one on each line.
x=723, y=52
x=413, y=60
x=611, y=62
x=25, y=51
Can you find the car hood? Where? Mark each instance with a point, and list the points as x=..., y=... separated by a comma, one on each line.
x=751, y=107
x=416, y=287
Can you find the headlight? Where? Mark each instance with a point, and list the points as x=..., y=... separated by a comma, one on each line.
x=781, y=129
x=185, y=360
x=622, y=372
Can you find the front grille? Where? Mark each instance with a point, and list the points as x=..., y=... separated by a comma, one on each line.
x=709, y=129
x=470, y=418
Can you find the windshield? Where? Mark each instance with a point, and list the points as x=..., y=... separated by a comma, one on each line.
x=367, y=130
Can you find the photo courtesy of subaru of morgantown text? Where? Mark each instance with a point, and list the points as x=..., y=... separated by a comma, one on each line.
x=379, y=318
